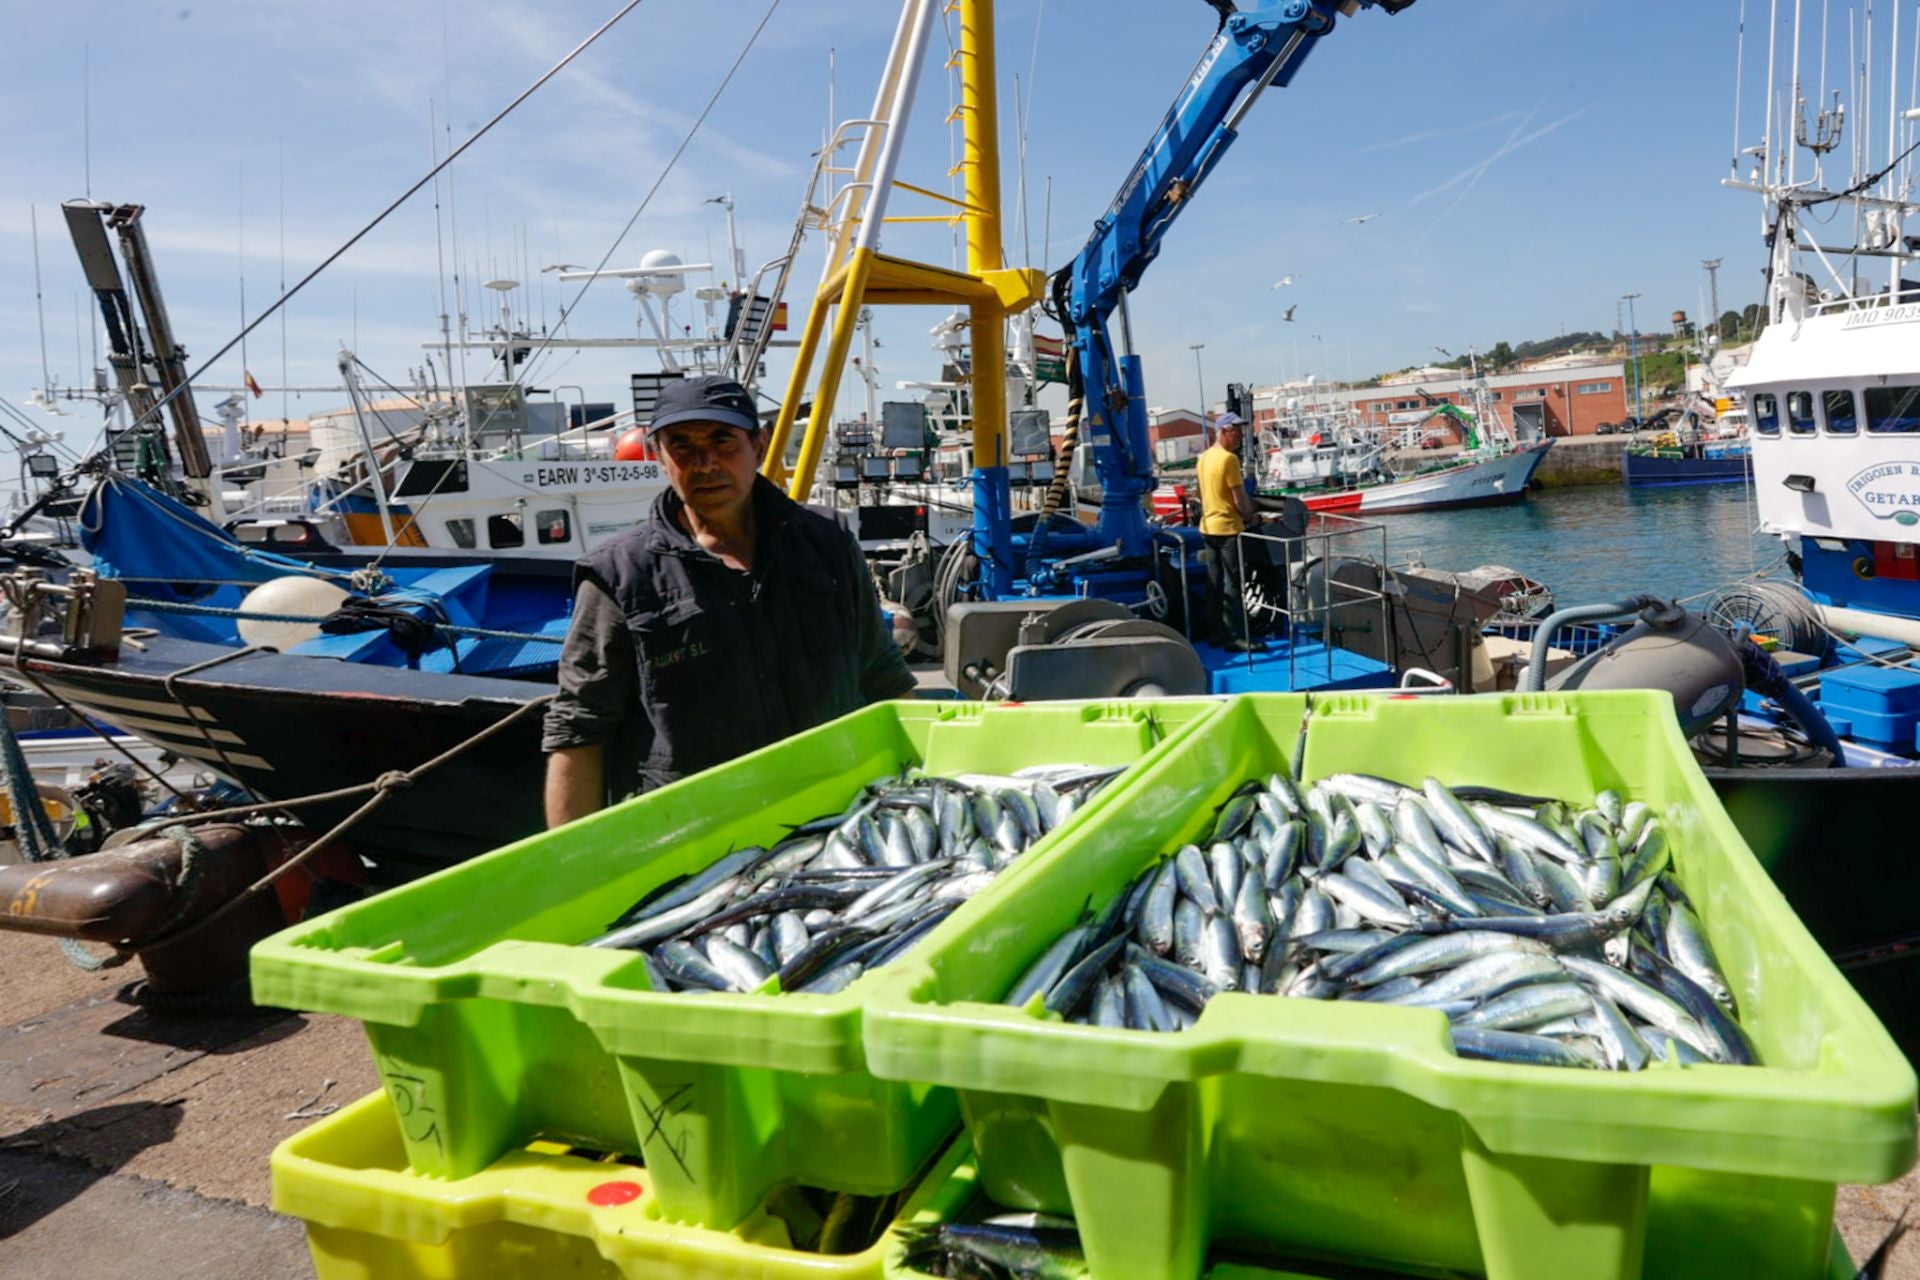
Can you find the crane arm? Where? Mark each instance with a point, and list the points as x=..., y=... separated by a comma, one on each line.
x=1254, y=49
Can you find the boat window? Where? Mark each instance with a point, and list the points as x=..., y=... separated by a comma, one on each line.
x=553, y=527
x=1893, y=408
x=1800, y=412
x=461, y=531
x=505, y=531
x=1766, y=413
x=1842, y=418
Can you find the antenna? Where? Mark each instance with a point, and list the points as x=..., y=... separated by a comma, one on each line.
x=285, y=382
x=46, y=373
x=240, y=259
x=86, y=116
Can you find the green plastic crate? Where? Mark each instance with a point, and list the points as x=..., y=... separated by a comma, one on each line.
x=489, y=1026
x=533, y=1215
x=1352, y=1129
x=1668, y=1205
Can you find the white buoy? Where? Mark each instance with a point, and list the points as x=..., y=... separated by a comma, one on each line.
x=303, y=597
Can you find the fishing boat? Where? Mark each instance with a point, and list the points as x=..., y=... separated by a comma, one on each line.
x=1327, y=459
x=1708, y=444
x=1816, y=763
x=403, y=598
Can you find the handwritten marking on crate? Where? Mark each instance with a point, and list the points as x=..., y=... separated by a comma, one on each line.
x=676, y=1103
x=418, y=1118
x=608, y=1194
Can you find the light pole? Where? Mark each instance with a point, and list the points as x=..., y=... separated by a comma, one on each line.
x=1713, y=288
x=1200, y=378
x=1633, y=353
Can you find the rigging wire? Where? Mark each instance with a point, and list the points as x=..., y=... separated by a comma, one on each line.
x=693, y=131
x=153, y=411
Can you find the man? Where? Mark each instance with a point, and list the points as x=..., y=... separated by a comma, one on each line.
x=732, y=618
x=1225, y=509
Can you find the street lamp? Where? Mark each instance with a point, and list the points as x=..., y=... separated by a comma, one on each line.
x=1200, y=378
x=1633, y=352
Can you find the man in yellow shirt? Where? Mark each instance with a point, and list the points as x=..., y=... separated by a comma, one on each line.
x=1225, y=510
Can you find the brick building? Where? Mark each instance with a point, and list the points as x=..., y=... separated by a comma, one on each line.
x=1547, y=401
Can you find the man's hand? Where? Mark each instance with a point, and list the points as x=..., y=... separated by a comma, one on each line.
x=576, y=784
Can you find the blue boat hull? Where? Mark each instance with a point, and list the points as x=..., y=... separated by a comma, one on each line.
x=1643, y=471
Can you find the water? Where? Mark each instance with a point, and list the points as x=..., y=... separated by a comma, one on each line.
x=1600, y=542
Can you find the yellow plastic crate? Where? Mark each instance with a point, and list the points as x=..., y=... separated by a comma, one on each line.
x=537, y=1213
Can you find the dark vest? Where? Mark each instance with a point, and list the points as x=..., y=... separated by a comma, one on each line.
x=730, y=662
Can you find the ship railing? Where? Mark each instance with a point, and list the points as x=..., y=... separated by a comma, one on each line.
x=1280, y=593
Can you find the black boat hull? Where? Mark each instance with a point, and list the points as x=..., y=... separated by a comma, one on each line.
x=1840, y=845
x=286, y=727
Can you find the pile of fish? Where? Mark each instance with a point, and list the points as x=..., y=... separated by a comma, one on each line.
x=996, y=1246
x=1547, y=934
x=850, y=891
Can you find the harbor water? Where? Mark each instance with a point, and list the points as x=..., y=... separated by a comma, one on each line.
x=1599, y=542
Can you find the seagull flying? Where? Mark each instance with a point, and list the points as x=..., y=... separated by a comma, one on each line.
x=1284, y=281
x=1290, y=310
x=1362, y=219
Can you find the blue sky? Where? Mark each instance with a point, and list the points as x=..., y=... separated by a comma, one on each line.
x=1530, y=160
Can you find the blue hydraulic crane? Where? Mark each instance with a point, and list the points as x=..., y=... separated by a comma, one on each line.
x=1254, y=49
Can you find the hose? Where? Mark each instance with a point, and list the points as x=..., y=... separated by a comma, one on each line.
x=1536, y=678
x=1765, y=678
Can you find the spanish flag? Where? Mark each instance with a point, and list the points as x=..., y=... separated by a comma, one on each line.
x=254, y=387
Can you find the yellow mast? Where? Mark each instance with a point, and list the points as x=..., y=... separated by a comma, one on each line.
x=859, y=275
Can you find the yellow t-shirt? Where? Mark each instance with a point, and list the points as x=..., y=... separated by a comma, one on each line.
x=1218, y=473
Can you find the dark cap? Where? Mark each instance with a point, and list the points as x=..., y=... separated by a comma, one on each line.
x=707, y=399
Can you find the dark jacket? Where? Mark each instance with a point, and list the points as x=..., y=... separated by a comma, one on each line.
x=725, y=662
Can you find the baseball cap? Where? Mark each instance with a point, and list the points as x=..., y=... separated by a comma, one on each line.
x=1226, y=420
x=705, y=399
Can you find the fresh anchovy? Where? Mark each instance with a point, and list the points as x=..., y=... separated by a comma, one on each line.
x=667, y=923
x=1220, y=953
x=1689, y=950
x=743, y=968
x=1456, y=822
x=1445, y=951
x=1414, y=828
x=1369, y=903
x=1489, y=975
x=1156, y=912
x=1650, y=857
x=1730, y=1042
x=1189, y=922
x=1529, y=1006
x=1281, y=855
x=1252, y=919
x=1659, y=1010
x=1196, y=879
x=1177, y=983
x=1565, y=888
x=684, y=962
x=1146, y=1009
x=1528, y=833
x=1227, y=868
x=1511, y=1046
x=1361, y=786
x=1046, y=971
x=1078, y=982
x=1624, y=1048
x=986, y=1250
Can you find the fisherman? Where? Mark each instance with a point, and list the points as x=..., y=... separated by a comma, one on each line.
x=1225, y=509
x=733, y=617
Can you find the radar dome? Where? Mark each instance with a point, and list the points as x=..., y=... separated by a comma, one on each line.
x=668, y=284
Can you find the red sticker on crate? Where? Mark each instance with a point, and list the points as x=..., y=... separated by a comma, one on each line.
x=608, y=1194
